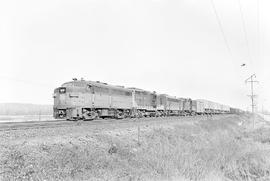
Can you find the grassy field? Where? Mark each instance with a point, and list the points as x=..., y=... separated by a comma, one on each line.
x=213, y=149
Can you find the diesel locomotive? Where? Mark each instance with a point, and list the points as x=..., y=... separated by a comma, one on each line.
x=88, y=100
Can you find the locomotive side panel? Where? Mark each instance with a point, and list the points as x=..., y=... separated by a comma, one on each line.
x=88, y=99
x=101, y=98
x=121, y=99
x=145, y=100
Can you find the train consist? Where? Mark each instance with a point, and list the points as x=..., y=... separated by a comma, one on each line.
x=88, y=100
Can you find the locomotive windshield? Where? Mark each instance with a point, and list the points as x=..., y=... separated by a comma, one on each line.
x=62, y=90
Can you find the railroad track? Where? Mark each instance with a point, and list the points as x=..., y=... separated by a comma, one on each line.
x=31, y=124
x=63, y=123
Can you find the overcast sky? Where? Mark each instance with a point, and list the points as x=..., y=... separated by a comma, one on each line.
x=169, y=46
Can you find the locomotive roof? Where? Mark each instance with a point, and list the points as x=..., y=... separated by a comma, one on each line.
x=102, y=84
x=97, y=83
x=171, y=97
x=139, y=90
x=82, y=83
x=211, y=102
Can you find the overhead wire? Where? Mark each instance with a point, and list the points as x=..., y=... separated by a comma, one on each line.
x=245, y=31
x=258, y=30
x=221, y=28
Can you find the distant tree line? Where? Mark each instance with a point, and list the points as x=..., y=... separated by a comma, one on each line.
x=25, y=109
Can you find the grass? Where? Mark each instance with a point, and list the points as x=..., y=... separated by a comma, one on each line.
x=210, y=150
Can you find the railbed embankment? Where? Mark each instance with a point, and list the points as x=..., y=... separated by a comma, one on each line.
x=201, y=148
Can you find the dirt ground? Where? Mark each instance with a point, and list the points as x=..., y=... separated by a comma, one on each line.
x=197, y=148
x=24, y=118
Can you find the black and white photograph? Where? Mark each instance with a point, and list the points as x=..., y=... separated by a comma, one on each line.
x=135, y=90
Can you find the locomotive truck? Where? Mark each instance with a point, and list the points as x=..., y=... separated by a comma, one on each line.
x=88, y=100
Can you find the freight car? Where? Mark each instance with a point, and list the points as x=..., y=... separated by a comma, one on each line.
x=214, y=108
x=235, y=111
x=80, y=99
x=197, y=107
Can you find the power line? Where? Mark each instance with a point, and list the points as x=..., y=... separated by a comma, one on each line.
x=258, y=28
x=244, y=30
x=221, y=28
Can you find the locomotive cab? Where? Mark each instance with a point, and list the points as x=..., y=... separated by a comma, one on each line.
x=67, y=100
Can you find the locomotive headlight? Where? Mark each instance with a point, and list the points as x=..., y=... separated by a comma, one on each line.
x=60, y=111
x=62, y=90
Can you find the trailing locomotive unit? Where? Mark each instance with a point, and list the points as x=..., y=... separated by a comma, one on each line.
x=89, y=100
x=169, y=105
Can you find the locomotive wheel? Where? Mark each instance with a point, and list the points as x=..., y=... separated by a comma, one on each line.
x=90, y=116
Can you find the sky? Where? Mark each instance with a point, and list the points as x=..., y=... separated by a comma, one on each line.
x=168, y=46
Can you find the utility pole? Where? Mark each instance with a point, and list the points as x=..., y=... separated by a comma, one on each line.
x=252, y=96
